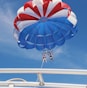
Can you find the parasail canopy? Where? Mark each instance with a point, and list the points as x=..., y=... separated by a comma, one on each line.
x=44, y=24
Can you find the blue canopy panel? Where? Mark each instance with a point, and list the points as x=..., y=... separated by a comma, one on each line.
x=47, y=35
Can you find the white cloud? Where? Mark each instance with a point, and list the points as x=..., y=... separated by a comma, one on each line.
x=58, y=51
x=6, y=16
x=6, y=24
x=68, y=57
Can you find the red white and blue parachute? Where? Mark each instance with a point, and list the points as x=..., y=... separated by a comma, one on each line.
x=44, y=24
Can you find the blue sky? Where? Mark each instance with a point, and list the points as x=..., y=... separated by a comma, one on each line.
x=73, y=54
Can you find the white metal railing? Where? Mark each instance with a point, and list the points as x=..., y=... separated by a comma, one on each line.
x=18, y=82
x=36, y=84
x=43, y=71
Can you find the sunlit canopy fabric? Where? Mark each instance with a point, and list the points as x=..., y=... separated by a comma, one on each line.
x=44, y=24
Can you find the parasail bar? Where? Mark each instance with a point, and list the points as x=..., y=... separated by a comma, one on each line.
x=36, y=84
x=43, y=71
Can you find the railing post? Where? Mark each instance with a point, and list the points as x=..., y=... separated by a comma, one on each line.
x=40, y=79
x=11, y=85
